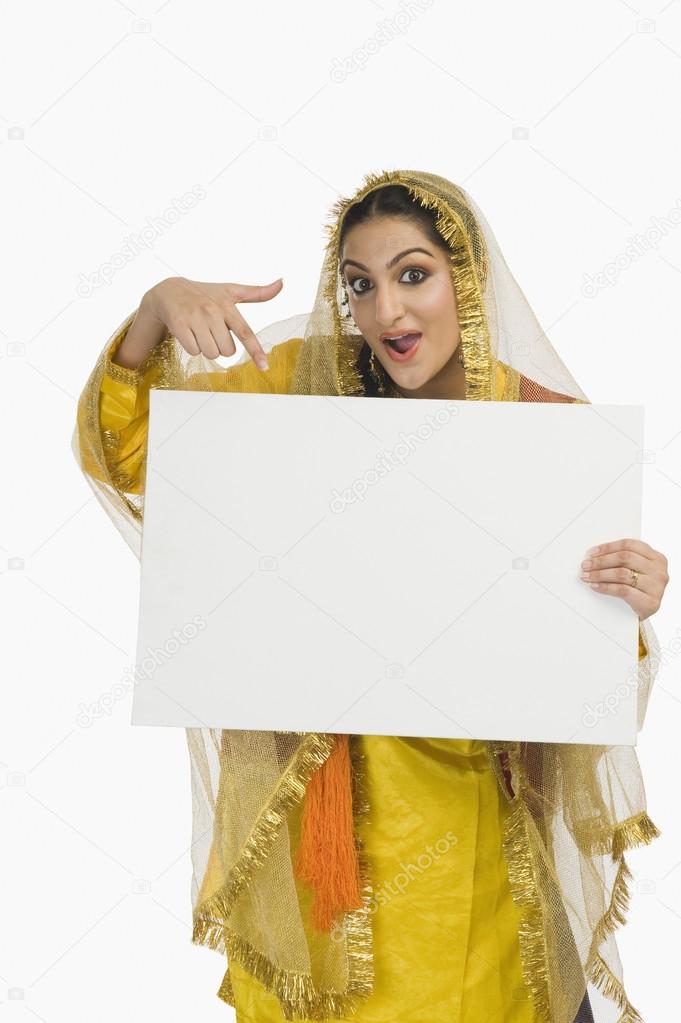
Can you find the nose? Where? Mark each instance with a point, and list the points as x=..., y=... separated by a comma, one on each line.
x=389, y=306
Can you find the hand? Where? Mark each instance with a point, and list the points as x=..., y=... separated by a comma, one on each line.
x=607, y=569
x=202, y=315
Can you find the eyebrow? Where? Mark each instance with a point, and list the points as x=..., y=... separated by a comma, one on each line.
x=388, y=265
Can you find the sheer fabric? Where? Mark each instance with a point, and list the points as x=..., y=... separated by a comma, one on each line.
x=566, y=813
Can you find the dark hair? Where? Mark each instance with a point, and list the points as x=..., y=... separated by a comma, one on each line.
x=388, y=201
x=393, y=201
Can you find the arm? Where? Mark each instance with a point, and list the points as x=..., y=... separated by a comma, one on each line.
x=134, y=344
x=113, y=414
x=124, y=406
x=123, y=399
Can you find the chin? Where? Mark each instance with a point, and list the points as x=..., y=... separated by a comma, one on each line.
x=410, y=379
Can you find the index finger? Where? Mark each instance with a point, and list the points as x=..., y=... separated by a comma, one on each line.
x=246, y=335
x=251, y=292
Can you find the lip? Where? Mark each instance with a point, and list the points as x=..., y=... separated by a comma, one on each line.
x=397, y=333
x=398, y=356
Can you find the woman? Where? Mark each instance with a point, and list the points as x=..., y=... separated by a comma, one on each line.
x=386, y=878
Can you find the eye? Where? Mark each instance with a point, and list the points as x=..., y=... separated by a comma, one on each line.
x=415, y=270
x=410, y=270
x=352, y=284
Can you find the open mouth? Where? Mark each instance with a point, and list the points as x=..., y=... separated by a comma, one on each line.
x=401, y=348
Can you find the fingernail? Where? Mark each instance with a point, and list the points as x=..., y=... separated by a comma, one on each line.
x=263, y=364
x=592, y=550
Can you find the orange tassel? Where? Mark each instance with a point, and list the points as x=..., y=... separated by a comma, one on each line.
x=327, y=856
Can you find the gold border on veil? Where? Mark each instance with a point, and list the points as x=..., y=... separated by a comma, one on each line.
x=469, y=273
x=296, y=992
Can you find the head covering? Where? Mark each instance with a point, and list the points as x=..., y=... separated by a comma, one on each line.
x=574, y=809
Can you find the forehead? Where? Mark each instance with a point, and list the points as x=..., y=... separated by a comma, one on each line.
x=382, y=237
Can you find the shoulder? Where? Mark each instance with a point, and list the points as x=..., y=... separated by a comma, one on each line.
x=512, y=385
x=530, y=390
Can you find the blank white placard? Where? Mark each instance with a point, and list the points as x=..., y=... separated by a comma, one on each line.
x=363, y=565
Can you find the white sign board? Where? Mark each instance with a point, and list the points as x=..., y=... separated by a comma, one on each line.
x=384, y=567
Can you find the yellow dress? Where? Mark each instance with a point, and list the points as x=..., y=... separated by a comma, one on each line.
x=443, y=920
x=444, y=923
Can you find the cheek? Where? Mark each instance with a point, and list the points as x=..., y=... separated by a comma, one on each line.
x=437, y=301
x=361, y=315
x=438, y=308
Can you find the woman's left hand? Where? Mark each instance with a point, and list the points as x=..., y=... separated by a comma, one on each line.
x=610, y=567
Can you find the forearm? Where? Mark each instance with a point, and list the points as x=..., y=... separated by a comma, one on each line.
x=143, y=334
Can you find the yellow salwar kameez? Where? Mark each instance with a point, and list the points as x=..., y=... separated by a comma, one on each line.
x=444, y=922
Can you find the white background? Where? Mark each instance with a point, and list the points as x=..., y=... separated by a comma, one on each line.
x=562, y=123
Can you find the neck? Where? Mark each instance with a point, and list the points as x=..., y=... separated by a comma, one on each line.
x=448, y=383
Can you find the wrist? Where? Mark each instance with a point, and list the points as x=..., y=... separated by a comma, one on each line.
x=142, y=336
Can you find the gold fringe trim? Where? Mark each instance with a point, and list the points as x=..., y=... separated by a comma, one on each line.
x=357, y=922
x=606, y=982
x=637, y=830
x=525, y=890
x=214, y=911
x=297, y=993
x=512, y=384
x=615, y=914
x=458, y=226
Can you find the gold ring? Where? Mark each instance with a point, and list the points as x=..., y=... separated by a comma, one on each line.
x=634, y=578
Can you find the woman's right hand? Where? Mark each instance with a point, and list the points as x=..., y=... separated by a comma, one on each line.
x=202, y=316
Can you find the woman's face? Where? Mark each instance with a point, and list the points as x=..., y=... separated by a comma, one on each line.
x=394, y=291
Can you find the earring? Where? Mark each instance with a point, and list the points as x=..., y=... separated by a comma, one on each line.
x=459, y=355
x=346, y=301
x=377, y=374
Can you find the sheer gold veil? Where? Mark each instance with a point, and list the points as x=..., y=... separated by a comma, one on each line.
x=574, y=810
